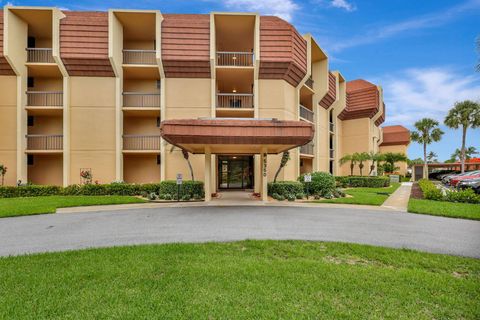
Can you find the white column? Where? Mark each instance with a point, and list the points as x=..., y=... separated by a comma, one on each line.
x=264, y=174
x=208, y=174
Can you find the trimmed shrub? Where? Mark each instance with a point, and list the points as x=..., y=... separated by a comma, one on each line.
x=362, y=182
x=29, y=191
x=322, y=184
x=465, y=196
x=430, y=191
x=299, y=196
x=291, y=197
x=284, y=188
x=188, y=187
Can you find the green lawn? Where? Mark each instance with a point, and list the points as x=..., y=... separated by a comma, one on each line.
x=10, y=207
x=444, y=208
x=241, y=280
x=366, y=196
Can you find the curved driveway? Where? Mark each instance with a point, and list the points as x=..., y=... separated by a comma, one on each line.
x=67, y=231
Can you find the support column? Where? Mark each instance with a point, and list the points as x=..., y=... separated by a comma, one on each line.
x=257, y=174
x=264, y=173
x=208, y=174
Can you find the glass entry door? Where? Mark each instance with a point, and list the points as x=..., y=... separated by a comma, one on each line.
x=235, y=172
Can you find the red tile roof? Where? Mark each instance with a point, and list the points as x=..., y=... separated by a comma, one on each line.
x=395, y=135
x=363, y=99
x=331, y=95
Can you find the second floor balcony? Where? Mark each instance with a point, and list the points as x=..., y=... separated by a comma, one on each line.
x=307, y=149
x=141, y=100
x=40, y=55
x=235, y=100
x=44, y=98
x=234, y=59
x=139, y=57
x=44, y=142
x=306, y=114
x=135, y=142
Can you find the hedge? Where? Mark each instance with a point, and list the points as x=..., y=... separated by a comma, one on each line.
x=323, y=184
x=192, y=188
x=285, y=189
x=363, y=182
x=431, y=192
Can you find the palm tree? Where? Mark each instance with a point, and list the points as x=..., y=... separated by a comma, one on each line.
x=361, y=157
x=465, y=114
x=469, y=153
x=391, y=158
x=352, y=158
x=187, y=158
x=432, y=157
x=376, y=157
x=3, y=172
x=427, y=132
x=283, y=163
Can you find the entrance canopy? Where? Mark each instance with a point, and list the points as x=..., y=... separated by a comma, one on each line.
x=236, y=135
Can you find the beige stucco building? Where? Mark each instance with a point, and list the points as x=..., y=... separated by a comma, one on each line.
x=89, y=91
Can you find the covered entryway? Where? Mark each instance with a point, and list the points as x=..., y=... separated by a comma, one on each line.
x=236, y=137
x=235, y=172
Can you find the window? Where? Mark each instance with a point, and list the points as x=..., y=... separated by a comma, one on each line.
x=158, y=122
x=159, y=160
x=30, y=82
x=30, y=159
x=30, y=121
x=331, y=167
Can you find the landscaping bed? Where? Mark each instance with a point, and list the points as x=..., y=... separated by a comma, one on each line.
x=240, y=280
x=364, y=196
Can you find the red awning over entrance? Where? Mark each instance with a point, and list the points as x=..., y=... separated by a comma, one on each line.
x=236, y=136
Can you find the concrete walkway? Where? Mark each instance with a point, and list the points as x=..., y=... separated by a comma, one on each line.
x=399, y=199
x=389, y=228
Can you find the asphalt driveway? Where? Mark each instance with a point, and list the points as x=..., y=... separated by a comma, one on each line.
x=67, y=231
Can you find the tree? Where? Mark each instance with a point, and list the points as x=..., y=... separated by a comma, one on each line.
x=391, y=158
x=469, y=153
x=412, y=162
x=426, y=133
x=3, y=172
x=187, y=158
x=361, y=158
x=376, y=157
x=352, y=158
x=432, y=157
x=465, y=114
x=283, y=163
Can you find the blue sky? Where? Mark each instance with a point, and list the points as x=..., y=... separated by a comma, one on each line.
x=421, y=52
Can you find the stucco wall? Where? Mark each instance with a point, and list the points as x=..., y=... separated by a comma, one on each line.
x=8, y=127
x=47, y=169
x=400, y=149
x=141, y=168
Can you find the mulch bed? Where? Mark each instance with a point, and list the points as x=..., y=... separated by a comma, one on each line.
x=416, y=192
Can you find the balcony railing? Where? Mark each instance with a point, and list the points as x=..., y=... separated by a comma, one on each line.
x=307, y=148
x=141, y=100
x=306, y=114
x=331, y=127
x=235, y=59
x=332, y=153
x=44, y=98
x=141, y=142
x=44, y=141
x=40, y=55
x=309, y=82
x=131, y=56
x=235, y=100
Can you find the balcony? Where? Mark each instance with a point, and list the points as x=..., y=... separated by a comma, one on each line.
x=307, y=149
x=332, y=154
x=39, y=55
x=331, y=127
x=309, y=82
x=141, y=100
x=44, y=142
x=235, y=100
x=306, y=113
x=44, y=98
x=133, y=142
x=234, y=59
x=139, y=57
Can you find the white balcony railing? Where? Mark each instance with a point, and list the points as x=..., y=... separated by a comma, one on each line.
x=234, y=59
x=44, y=98
x=306, y=113
x=146, y=57
x=141, y=142
x=307, y=149
x=141, y=100
x=40, y=55
x=235, y=100
x=44, y=141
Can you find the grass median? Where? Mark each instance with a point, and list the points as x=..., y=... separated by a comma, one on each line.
x=445, y=209
x=11, y=207
x=240, y=280
x=364, y=196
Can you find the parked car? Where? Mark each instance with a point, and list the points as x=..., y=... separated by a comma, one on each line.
x=439, y=174
x=470, y=183
x=446, y=179
x=472, y=175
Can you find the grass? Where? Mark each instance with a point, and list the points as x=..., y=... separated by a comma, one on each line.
x=10, y=207
x=241, y=280
x=445, y=209
x=364, y=196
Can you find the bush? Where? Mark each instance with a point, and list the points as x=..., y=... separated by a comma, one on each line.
x=299, y=196
x=429, y=190
x=188, y=187
x=322, y=184
x=291, y=197
x=29, y=191
x=362, y=182
x=284, y=188
x=465, y=196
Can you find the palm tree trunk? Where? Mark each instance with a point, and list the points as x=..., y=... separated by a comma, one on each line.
x=361, y=169
x=425, y=166
x=191, y=169
x=351, y=168
x=462, y=154
x=372, y=167
x=277, y=173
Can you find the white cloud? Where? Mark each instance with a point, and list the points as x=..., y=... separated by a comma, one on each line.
x=418, y=93
x=281, y=8
x=343, y=4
